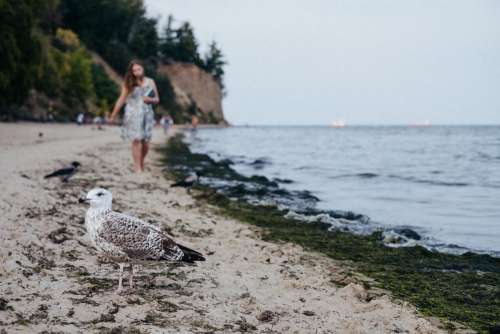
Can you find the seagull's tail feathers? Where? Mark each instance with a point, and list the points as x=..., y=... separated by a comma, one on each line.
x=190, y=255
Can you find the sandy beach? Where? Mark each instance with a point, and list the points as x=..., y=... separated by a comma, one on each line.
x=51, y=279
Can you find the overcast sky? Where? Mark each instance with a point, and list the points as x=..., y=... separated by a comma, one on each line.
x=359, y=61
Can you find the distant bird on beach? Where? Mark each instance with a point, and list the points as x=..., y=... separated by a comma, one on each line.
x=189, y=181
x=66, y=172
x=126, y=239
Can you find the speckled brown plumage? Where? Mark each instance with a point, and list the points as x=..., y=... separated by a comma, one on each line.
x=126, y=239
x=125, y=236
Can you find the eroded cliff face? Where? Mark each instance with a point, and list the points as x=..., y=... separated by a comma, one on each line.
x=192, y=85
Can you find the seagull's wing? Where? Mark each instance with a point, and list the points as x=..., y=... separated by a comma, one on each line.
x=138, y=239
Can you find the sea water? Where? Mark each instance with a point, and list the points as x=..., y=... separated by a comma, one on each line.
x=441, y=181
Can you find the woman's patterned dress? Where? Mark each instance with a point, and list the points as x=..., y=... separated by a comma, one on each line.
x=139, y=119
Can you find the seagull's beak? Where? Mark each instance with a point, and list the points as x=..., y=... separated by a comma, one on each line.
x=83, y=200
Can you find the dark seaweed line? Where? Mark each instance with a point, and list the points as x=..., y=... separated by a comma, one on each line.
x=456, y=288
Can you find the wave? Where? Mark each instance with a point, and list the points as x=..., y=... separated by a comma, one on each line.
x=366, y=175
x=369, y=175
x=391, y=236
x=427, y=181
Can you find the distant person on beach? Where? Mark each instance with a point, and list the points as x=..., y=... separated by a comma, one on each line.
x=139, y=93
x=194, y=122
x=165, y=122
x=98, y=121
x=80, y=118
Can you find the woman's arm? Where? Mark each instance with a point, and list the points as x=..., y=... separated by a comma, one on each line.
x=153, y=100
x=119, y=103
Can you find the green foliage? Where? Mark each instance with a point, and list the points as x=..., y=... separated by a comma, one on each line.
x=99, y=22
x=49, y=16
x=76, y=74
x=118, y=55
x=44, y=43
x=116, y=29
x=66, y=40
x=67, y=73
x=106, y=90
x=179, y=44
x=214, y=63
x=48, y=79
x=20, y=49
x=168, y=43
x=143, y=39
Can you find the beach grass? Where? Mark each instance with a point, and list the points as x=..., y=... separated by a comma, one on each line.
x=462, y=289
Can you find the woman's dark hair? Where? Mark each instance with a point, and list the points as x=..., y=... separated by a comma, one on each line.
x=130, y=79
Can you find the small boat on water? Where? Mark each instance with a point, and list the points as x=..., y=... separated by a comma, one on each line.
x=338, y=124
x=422, y=124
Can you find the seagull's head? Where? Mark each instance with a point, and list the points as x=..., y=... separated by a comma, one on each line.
x=76, y=164
x=98, y=198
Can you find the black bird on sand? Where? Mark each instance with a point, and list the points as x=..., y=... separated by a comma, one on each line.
x=189, y=181
x=66, y=172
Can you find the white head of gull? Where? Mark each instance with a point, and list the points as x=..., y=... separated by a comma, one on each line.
x=99, y=199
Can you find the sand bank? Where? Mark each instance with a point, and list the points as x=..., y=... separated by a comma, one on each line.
x=52, y=280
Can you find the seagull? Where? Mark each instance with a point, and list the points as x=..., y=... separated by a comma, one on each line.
x=126, y=239
x=189, y=181
x=66, y=172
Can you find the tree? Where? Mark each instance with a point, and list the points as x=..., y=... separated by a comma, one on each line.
x=77, y=80
x=20, y=49
x=106, y=26
x=168, y=42
x=49, y=16
x=106, y=90
x=187, y=46
x=180, y=44
x=143, y=38
x=214, y=63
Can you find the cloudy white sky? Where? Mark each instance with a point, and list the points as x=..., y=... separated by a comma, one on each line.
x=360, y=61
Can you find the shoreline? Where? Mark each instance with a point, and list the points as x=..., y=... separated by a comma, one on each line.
x=435, y=205
x=412, y=273
x=51, y=278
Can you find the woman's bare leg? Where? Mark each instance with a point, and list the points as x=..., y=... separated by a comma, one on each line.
x=137, y=155
x=144, y=152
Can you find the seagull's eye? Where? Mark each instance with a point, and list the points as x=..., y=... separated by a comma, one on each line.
x=100, y=194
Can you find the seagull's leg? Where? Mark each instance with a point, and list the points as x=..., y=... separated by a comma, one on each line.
x=131, y=276
x=120, y=287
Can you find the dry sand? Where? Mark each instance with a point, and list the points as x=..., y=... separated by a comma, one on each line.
x=52, y=281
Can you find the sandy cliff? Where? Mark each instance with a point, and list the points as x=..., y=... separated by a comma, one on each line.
x=194, y=85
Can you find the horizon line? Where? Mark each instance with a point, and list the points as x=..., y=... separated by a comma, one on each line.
x=368, y=124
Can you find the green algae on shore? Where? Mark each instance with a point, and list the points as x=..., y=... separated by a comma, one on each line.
x=456, y=288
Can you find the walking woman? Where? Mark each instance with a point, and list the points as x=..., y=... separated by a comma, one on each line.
x=139, y=93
